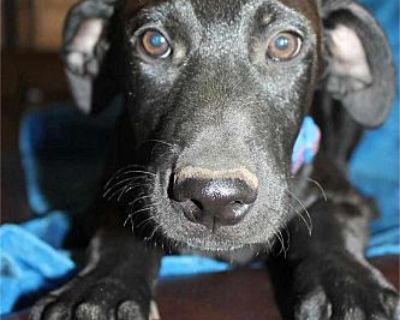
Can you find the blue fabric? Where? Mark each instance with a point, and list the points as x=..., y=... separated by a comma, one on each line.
x=375, y=164
x=59, y=146
x=31, y=258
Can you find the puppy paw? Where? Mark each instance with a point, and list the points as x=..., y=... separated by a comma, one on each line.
x=95, y=299
x=345, y=291
x=314, y=305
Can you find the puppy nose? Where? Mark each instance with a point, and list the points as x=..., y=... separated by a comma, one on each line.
x=215, y=198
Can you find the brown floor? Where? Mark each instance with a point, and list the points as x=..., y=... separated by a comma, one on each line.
x=237, y=295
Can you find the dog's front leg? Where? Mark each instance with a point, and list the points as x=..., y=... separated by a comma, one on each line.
x=327, y=274
x=117, y=283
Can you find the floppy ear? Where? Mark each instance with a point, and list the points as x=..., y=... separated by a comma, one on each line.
x=86, y=53
x=360, y=72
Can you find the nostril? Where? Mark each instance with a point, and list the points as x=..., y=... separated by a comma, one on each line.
x=237, y=202
x=237, y=208
x=192, y=210
x=223, y=197
x=197, y=203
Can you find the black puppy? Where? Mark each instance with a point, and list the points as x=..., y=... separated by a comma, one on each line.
x=215, y=94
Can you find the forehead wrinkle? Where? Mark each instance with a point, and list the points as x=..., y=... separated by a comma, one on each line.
x=307, y=8
x=165, y=9
x=217, y=11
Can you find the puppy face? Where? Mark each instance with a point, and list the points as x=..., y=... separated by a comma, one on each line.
x=216, y=92
x=220, y=88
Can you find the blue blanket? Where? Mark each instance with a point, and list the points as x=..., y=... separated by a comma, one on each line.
x=31, y=257
x=375, y=164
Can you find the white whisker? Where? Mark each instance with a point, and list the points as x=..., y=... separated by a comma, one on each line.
x=309, y=225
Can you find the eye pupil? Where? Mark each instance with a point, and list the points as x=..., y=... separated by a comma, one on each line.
x=282, y=43
x=157, y=40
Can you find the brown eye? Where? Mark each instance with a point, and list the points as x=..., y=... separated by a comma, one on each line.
x=154, y=44
x=284, y=46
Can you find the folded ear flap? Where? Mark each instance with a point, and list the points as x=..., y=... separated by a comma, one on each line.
x=85, y=52
x=360, y=72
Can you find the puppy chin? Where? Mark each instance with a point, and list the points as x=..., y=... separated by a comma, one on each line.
x=198, y=238
x=208, y=244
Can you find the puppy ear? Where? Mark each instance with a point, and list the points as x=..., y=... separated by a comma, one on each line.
x=86, y=53
x=360, y=72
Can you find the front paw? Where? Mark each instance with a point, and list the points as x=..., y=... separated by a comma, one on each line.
x=95, y=298
x=343, y=289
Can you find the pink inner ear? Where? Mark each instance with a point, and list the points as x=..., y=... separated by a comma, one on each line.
x=84, y=42
x=88, y=35
x=349, y=58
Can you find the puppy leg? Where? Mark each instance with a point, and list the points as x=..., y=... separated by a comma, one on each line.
x=117, y=283
x=327, y=273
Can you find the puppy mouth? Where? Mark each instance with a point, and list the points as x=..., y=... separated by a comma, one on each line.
x=155, y=213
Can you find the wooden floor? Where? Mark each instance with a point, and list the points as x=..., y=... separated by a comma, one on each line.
x=237, y=295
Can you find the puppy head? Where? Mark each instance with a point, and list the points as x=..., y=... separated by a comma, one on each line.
x=220, y=89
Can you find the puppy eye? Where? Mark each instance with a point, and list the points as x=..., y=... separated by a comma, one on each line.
x=155, y=45
x=284, y=46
